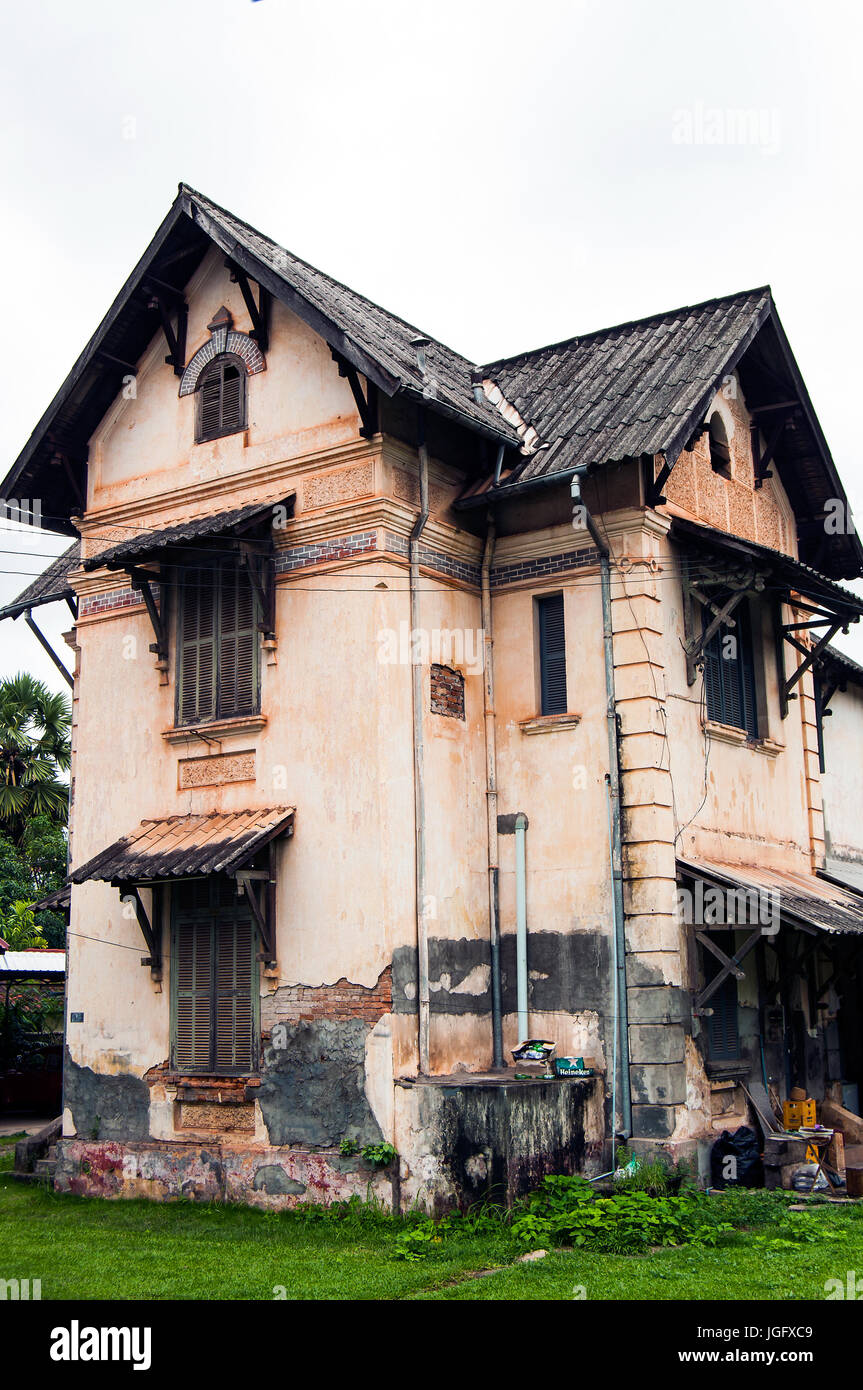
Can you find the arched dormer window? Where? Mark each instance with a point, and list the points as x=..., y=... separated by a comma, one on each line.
x=220, y=399
x=720, y=454
x=216, y=377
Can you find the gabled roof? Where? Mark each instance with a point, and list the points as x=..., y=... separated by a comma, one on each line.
x=628, y=390
x=380, y=345
x=644, y=388
x=52, y=584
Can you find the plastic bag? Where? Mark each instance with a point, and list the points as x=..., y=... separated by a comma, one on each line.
x=735, y=1160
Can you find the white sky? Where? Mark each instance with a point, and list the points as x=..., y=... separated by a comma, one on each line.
x=502, y=174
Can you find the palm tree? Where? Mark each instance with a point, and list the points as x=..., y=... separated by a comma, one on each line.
x=34, y=751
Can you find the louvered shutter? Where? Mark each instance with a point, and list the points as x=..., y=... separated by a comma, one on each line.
x=231, y=400
x=552, y=655
x=193, y=990
x=234, y=1002
x=723, y=1038
x=238, y=643
x=211, y=406
x=214, y=979
x=729, y=681
x=197, y=665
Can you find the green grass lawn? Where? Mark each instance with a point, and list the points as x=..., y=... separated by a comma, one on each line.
x=82, y=1248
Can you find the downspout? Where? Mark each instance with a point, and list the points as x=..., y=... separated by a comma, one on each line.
x=491, y=799
x=616, y=854
x=419, y=775
x=521, y=923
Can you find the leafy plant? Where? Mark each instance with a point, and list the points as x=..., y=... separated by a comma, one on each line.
x=348, y=1147
x=379, y=1155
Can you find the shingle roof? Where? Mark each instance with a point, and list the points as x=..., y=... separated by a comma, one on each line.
x=52, y=584
x=197, y=528
x=628, y=390
x=179, y=846
x=387, y=339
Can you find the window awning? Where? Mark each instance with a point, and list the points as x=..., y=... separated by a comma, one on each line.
x=186, y=847
x=802, y=900
x=52, y=585
x=239, y=524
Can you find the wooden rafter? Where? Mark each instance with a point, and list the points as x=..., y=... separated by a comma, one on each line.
x=151, y=930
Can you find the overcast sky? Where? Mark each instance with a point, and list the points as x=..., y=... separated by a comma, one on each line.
x=502, y=174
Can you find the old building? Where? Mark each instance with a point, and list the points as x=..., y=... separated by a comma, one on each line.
x=422, y=707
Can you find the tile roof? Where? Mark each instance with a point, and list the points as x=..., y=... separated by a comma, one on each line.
x=628, y=390
x=388, y=340
x=51, y=585
x=181, y=846
x=46, y=961
x=800, y=897
x=196, y=528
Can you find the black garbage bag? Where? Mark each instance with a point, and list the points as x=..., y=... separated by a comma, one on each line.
x=735, y=1160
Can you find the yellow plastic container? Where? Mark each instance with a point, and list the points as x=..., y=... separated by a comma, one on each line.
x=798, y=1112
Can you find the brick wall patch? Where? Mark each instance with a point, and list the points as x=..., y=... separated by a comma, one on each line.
x=447, y=692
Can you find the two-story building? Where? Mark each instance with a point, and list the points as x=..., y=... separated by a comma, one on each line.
x=420, y=708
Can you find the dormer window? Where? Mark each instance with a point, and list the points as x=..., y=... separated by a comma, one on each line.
x=221, y=399
x=216, y=377
x=720, y=454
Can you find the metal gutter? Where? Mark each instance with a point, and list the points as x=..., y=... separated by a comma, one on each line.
x=491, y=798
x=418, y=752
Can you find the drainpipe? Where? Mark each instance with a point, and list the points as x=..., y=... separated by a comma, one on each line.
x=521, y=923
x=616, y=854
x=419, y=776
x=491, y=798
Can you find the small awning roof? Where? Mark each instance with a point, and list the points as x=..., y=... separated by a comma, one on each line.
x=789, y=573
x=804, y=900
x=51, y=585
x=187, y=846
x=47, y=961
x=148, y=545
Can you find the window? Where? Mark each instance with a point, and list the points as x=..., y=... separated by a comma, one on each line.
x=221, y=399
x=214, y=1005
x=723, y=1038
x=552, y=655
x=720, y=454
x=218, y=648
x=729, y=671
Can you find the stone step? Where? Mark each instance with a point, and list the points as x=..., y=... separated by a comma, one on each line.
x=46, y=1168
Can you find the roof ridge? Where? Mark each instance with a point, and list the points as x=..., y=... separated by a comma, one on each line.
x=740, y=295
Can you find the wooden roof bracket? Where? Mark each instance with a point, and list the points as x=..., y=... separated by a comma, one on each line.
x=151, y=929
x=164, y=298
x=366, y=402
x=142, y=580
x=730, y=964
x=260, y=568
x=259, y=313
x=694, y=643
x=259, y=887
x=40, y=636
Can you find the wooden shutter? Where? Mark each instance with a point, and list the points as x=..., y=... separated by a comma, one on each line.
x=221, y=399
x=238, y=643
x=729, y=681
x=210, y=419
x=234, y=1002
x=214, y=979
x=552, y=655
x=193, y=993
x=723, y=1038
x=196, y=697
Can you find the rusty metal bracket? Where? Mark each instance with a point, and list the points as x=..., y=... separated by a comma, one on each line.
x=263, y=906
x=142, y=580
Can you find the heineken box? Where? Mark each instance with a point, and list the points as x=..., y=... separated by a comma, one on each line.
x=572, y=1066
